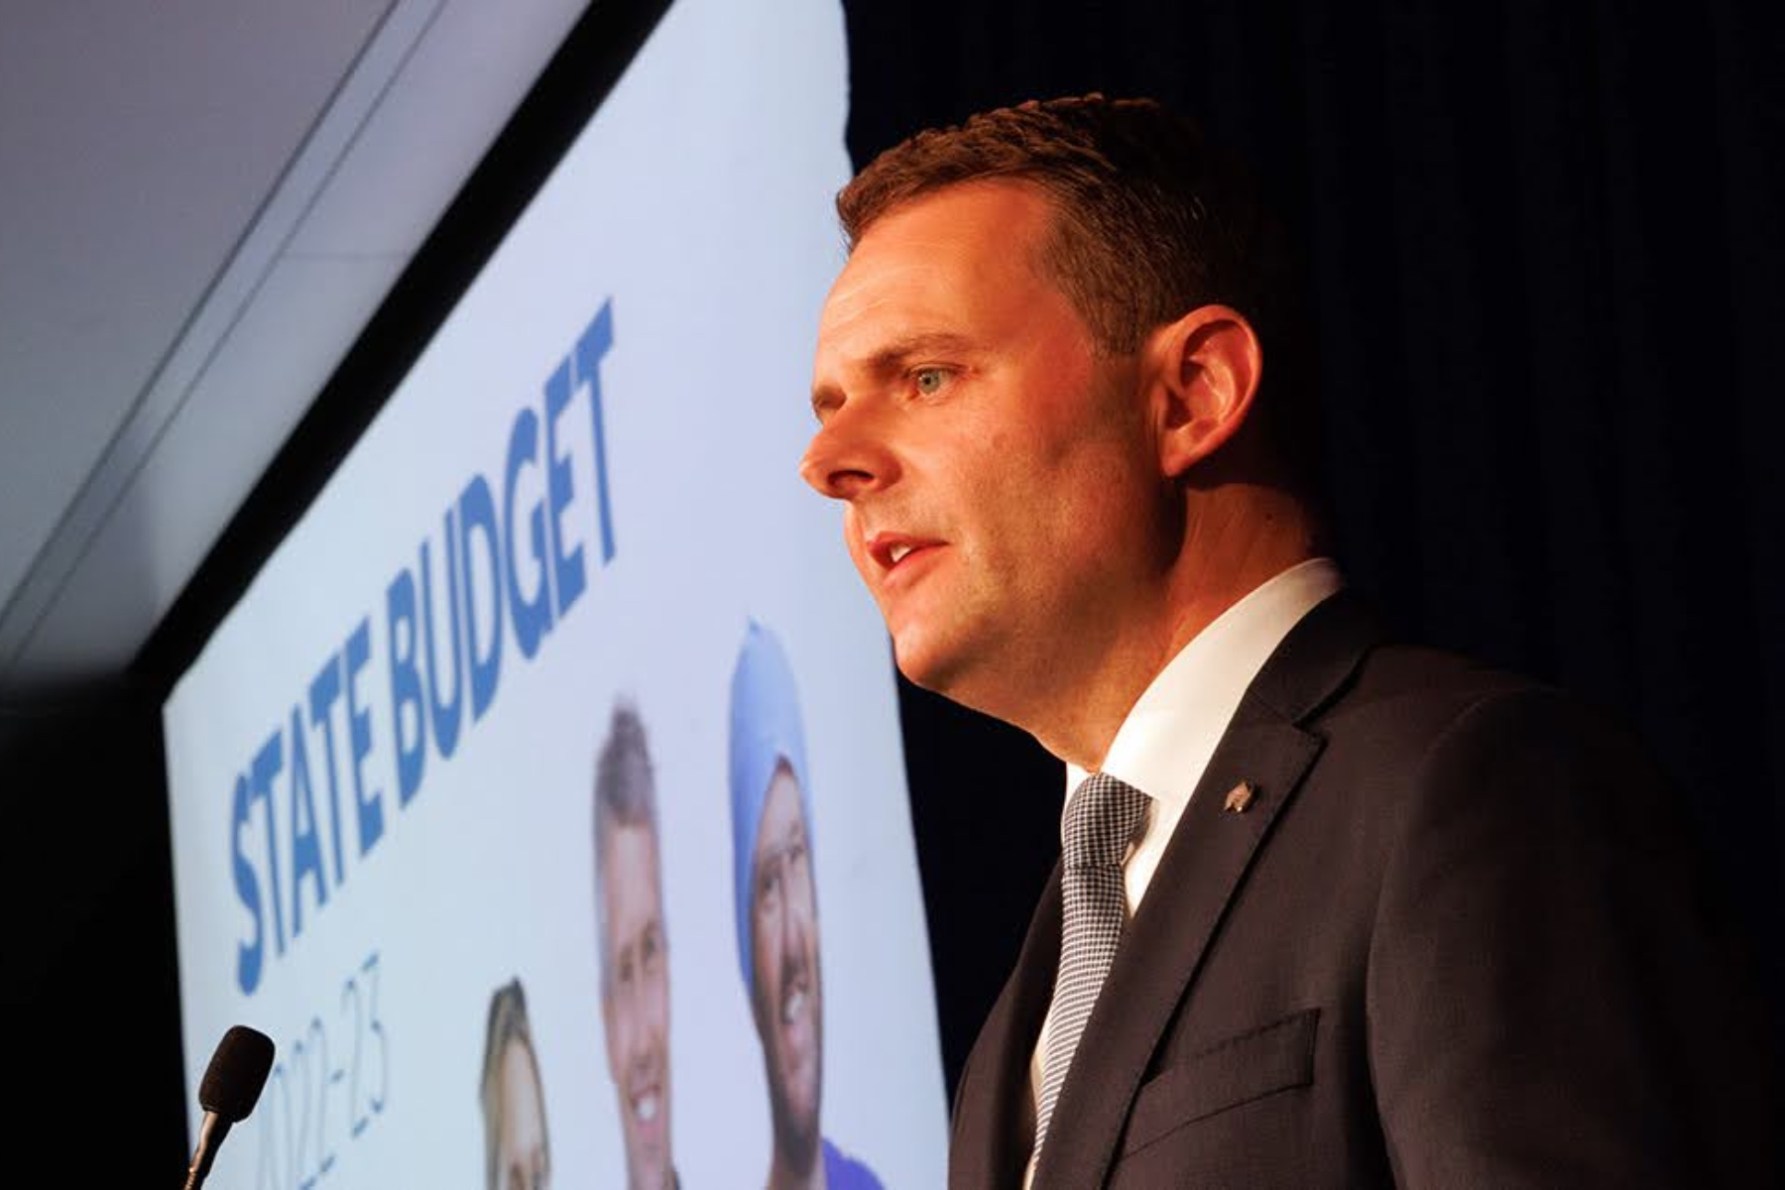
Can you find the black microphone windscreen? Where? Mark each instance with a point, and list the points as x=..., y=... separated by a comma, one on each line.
x=237, y=1072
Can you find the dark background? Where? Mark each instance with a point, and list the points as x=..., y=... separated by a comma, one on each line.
x=1545, y=250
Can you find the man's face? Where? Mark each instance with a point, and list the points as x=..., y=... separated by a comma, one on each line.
x=787, y=1000
x=635, y=1003
x=521, y=1159
x=1004, y=505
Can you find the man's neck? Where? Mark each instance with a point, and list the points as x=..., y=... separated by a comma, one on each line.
x=1231, y=549
x=783, y=1176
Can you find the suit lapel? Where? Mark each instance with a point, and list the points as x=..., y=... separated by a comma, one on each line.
x=1202, y=867
x=993, y=1121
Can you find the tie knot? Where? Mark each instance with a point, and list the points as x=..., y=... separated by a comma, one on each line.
x=1101, y=818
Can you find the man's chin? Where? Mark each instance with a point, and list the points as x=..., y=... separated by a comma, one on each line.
x=803, y=1109
x=647, y=1154
x=794, y=1100
x=649, y=1172
x=942, y=665
x=925, y=657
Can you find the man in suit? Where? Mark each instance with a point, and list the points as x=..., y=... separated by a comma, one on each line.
x=1386, y=917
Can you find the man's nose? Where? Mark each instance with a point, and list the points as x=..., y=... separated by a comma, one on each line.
x=850, y=455
x=796, y=917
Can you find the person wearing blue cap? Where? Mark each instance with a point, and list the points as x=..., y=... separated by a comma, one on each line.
x=776, y=904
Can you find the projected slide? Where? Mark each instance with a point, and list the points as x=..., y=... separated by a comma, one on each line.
x=543, y=798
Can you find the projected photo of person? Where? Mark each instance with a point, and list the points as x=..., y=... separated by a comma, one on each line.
x=634, y=949
x=517, y=1151
x=776, y=903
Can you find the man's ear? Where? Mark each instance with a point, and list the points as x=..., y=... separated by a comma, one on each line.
x=1207, y=366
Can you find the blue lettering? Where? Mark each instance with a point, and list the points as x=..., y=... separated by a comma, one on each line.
x=446, y=713
x=477, y=518
x=532, y=618
x=266, y=765
x=325, y=691
x=306, y=850
x=528, y=556
x=567, y=568
x=359, y=738
x=594, y=344
x=249, y=955
x=405, y=685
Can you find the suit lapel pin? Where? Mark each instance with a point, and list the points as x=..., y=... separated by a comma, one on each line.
x=1239, y=798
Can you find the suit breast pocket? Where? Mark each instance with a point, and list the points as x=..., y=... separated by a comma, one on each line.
x=1222, y=1076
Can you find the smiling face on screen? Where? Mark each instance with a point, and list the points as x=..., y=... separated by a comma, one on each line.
x=787, y=996
x=635, y=1001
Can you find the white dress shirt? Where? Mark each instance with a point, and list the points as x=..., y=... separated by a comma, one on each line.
x=1165, y=742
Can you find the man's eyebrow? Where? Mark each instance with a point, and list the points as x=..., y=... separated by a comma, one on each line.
x=900, y=351
x=894, y=357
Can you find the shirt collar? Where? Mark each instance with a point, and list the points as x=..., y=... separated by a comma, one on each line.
x=1165, y=742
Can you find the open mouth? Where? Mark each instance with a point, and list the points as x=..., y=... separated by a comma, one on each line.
x=890, y=549
x=793, y=1007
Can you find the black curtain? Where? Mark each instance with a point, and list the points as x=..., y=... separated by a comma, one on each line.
x=91, y=984
x=1545, y=249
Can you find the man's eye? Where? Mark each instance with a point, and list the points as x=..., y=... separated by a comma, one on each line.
x=929, y=381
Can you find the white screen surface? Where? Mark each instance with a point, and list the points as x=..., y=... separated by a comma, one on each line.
x=590, y=470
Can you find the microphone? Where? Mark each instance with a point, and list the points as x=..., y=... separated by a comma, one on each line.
x=238, y=1070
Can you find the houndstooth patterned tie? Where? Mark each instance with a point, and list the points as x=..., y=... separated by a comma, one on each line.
x=1101, y=818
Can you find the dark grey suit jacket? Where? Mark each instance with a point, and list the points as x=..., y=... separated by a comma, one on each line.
x=1458, y=939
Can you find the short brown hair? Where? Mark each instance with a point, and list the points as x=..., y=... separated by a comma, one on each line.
x=1151, y=221
x=625, y=795
x=1150, y=224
